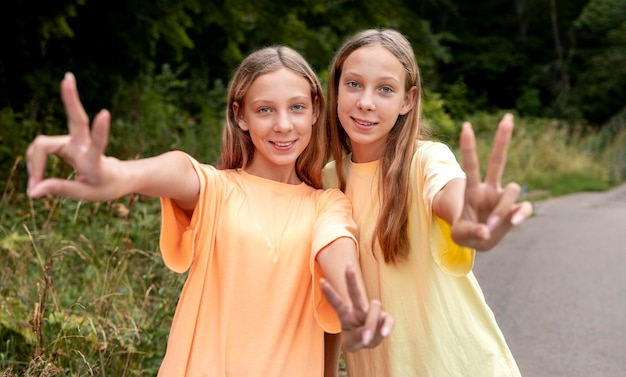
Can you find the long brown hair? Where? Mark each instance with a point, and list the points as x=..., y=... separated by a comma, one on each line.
x=237, y=148
x=391, y=230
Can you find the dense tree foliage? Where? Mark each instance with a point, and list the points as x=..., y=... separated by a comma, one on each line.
x=555, y=58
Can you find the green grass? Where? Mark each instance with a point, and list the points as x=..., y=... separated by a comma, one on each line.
x=83, y=288
x=554, y=158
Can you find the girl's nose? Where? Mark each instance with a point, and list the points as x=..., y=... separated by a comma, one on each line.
x=366, y=102
x=283, y=123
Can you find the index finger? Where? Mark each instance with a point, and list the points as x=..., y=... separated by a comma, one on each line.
x=356, y=296
x=469, y=158
x=334, y=298
x=497, y=158
x=77, y=120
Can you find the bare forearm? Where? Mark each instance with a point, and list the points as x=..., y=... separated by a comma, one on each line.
x=168, y=175
x=448, y=203
x=334, y=259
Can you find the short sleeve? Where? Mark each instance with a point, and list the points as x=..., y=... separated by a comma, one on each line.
x=333, y=222
x=438, y=166
x=178, y=230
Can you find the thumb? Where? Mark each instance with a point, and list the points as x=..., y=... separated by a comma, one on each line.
x=64, y=187
x=470, y=234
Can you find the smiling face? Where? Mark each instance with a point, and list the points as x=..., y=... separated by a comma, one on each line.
x=278, y=112
x=371, y=95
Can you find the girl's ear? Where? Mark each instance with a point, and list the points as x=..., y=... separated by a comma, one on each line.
x=241, y=121
x=409, y=100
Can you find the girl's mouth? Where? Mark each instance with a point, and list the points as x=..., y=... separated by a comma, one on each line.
x=363, y=124
x=283, y=144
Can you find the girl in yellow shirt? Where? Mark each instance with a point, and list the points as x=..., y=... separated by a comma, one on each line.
x=256, y=233
x=420, y=216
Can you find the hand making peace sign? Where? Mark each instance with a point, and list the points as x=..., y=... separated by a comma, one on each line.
x=83, y=149
x=363, y=324
x=489, y=210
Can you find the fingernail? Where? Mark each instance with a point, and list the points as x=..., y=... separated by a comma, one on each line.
x=367, y=337
x=482, y=233
x=493, y=222
x=385, y=331
x=517, y=219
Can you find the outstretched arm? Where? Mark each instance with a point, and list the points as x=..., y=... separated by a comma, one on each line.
x=481, y=213
x=99, y=177
x=363, y=323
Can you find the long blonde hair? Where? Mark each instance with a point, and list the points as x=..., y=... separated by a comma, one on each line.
x=237, y=148
x=391, y=230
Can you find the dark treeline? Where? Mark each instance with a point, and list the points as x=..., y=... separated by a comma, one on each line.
x=552, y=58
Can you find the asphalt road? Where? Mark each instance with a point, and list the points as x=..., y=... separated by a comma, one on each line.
x=557, y=286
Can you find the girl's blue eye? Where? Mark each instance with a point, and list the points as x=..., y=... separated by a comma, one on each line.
x=353, y=84
x=386, y=89
x=298, y=107
x=264, y=110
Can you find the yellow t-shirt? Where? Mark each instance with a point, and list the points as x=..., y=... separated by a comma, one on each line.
x=443, y=326
x=252, y=304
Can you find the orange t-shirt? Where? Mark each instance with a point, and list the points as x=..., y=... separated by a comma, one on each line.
x=252, y=304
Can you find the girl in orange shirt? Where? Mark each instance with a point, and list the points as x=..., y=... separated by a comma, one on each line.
x=256, y=233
